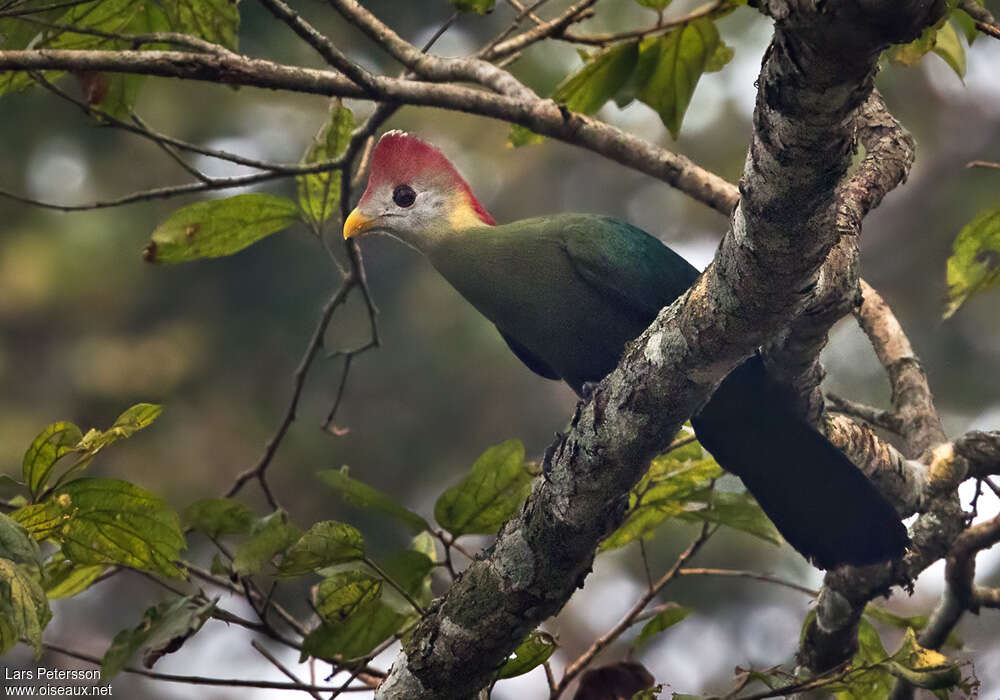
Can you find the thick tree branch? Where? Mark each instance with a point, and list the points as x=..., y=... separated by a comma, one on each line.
x=890, y=152
x=540, y=115
x=817, y=74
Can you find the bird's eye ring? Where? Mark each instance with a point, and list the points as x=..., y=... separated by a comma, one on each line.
x=404, y=196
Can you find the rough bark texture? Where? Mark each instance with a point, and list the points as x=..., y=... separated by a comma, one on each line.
x=816, y=75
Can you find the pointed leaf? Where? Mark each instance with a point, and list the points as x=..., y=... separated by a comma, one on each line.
x=531, y=653
x=53, y=443
x=494, y=489
x=125, y=426
x=736, y=510
x=480, y=7
x=269, y=537
x=362, y=495
x=965, y=22
x=367, y=627
x=319, y=193
x=974, y=265
x=24, y=610
x=64, y=579
x=164, y=628
x=343, y=594
x=673, y=480
x=408, y=570
x=588, y=89
x=948, y=46
x=325, y=543
x=914, y=622
x=911, y=54
x=683, y=55
x=219, y=227
x=872, y=684
x=16, y=545
x=662, y=621
x=216, y=517
x=108, y=521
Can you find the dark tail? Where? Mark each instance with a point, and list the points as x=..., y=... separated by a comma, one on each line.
x=817, y=498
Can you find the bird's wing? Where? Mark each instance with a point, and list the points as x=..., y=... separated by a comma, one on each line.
x=532, y=361
x=627, y=266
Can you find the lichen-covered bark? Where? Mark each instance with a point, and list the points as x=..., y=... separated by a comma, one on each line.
x=817, y=74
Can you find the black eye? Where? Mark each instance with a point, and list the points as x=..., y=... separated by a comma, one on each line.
x=404, y=196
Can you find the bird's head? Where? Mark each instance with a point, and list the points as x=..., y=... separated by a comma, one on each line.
x=414, y=194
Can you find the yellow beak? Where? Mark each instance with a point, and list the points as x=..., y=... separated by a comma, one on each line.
x=357, y=223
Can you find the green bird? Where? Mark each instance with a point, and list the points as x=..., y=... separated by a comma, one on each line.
x=568, y=292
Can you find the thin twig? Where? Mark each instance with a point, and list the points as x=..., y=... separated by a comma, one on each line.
x=581, y=663
x=280, y=666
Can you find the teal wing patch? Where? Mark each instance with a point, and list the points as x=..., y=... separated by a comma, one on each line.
x=629, y=267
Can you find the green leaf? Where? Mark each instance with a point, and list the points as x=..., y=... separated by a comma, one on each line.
x=219, y=227
x=373, y=621
x=164, y=628
x=682, y=56
x=125, y=426
x=269, y=537
x=658, y=5
x=872, y=684
x=736, y=510
x=588, y=89
x=325, y=543
x=924, y=668
x=16, y=545
x=523, y=136
x=216, y=517
x=217, y=21
x=974, y=265
x=340, y=596
x=319, y=193
x=370, y=624
x=24, y=610
x=51, y=445
x=948, y=46
x=64, y=579
x=911, y=54
x=914, y=622
x=531, y=653
x=662, y=621
x=672, y=481
x=490, y=494
x=966, y=24
x=108, y=521
x=362, y=495
x=480, y=7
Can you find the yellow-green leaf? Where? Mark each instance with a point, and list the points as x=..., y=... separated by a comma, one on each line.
x=219, y=227
x=269, y=537
x=974, y=265
x=24, y=609
x=164, y=628
x=658, y=5
x=924, y=668
x=948, y=46
x=914, y=622
x=216, y=517
x=910, y=54
x=672, y=481
x=319, y=193
x=531, y=653
x=480, y=7
x=874, y=683
x=681, y=57
x=492, y=492
x=362, y=495
x=108, y=521
x=341, y=595
x=736, y=510
x=51, y=445
x=64, y=579
x=326, y=543
x=125, y=426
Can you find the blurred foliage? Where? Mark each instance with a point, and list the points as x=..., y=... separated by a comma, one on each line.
x=88, y=329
